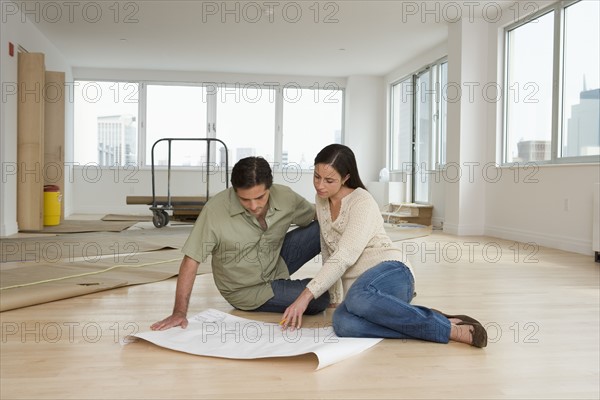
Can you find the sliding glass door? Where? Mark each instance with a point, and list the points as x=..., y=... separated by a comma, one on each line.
x=418, y=129
x=423, y=136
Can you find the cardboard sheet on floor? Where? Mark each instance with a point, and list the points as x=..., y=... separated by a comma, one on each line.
x=89, y=245
x=28, y=283
x=80, y=226
x=127, y=217
x=217, y=334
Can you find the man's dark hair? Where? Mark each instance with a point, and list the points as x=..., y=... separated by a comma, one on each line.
x=250, y=172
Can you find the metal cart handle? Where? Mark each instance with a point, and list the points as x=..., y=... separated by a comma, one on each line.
x=169, y=140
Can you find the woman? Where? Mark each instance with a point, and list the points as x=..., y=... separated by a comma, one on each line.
x=377, y=284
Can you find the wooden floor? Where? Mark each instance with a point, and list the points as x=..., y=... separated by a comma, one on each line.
x=541, y=307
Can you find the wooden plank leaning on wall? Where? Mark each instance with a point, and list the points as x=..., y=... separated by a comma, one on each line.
x=30, y=141
x=54, y=133
x=40, y=138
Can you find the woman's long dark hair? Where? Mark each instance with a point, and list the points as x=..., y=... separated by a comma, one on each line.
x=342, y=159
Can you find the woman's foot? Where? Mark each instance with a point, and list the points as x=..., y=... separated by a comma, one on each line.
x=457, y=318
x=470, y=333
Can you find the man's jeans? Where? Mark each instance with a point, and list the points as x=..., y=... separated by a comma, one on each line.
x=378, y=306
x=299, y=246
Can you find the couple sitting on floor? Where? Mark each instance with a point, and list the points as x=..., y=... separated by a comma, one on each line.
x=245, y=230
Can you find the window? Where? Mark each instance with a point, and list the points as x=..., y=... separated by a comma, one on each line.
x=176, y=112
x=312, y=119
x=401, y=124
x=418, y=127
x=529, y=108
x=546, y=122
x=283, y=125
x=246, y=122
x=580, y=134
x=443, y=108
x=423, y=131
x=106, y=123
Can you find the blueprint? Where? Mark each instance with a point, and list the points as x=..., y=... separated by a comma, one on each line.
x=217, y=334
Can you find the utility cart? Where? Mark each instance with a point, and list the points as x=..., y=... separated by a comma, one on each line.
x=182, y=205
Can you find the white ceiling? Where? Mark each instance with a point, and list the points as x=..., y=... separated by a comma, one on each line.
x=344, y=38
x=305, y=37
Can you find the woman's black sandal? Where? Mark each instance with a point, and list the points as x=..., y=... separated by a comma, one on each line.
x=479, y=334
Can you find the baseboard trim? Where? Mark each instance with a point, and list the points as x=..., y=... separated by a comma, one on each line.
x=9, y=229
x=552, y=241
x=463, y=230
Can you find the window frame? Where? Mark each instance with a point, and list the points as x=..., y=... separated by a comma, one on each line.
x=76, y=83
x=436, y=151
x=558, y=62
x=212, y=129
x=142, y=123
x=280, y=121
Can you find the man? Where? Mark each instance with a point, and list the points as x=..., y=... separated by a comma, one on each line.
x=245, y=229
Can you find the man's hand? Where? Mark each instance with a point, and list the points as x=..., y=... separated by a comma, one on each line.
x=185, y=282
x=176, y=319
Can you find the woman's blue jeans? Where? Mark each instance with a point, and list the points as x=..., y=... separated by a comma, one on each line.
x=378, y=306
x=299, y=247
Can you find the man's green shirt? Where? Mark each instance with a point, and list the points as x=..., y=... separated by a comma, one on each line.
x=245, y=259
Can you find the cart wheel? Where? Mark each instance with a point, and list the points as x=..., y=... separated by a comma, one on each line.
x=160, y=219
x=165, y=217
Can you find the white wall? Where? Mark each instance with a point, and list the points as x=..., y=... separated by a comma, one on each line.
x=515, y=210
x=528, y=204
x=521, y=204
x=516, y=204
x=203, y=77
x=467, y=120
x=104, y=190
x=20, y=31
x=426, y=57
x=365, y=127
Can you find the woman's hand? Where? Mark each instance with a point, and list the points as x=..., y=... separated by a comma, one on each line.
x=292, y=317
